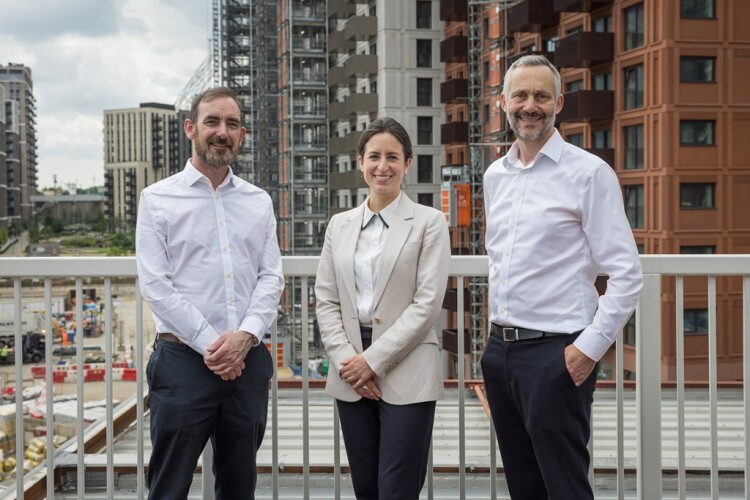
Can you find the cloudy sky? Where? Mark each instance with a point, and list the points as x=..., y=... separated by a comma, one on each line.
x=90, y=55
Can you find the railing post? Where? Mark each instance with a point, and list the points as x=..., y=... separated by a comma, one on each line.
x=648, y=388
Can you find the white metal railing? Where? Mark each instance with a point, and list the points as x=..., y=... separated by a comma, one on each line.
x=648, y=355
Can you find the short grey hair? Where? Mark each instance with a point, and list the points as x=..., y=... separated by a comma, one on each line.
x=532, y=60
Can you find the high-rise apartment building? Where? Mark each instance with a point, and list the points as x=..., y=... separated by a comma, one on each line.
x=19, y=109
x=142, y=145
x=656, y=89
x=383, y=61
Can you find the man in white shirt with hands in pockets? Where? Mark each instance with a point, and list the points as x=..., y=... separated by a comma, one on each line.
x=210, y=268
x=555, y=220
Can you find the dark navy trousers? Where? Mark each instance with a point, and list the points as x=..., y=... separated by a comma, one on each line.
x=189, y=405
x=542, y=420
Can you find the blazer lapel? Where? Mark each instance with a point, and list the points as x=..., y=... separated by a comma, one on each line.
x=396, y=236
x=349, y=237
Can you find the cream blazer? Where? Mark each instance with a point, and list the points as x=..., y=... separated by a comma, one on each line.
x=411, y=284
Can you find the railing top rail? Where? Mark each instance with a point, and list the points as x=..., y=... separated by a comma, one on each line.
x=461, y=265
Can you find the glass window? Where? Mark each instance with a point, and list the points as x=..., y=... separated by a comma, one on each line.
x=424, y=14
x=695, y=321
x=576, y=140
x=602, y=24
x=424, y=168
x=634, y=87
x=601, y=139
x=634, y=205
x=697, y=132
x=697, y=249
x=602, y=81
x=634, y=26
x=633, y=138
x=574, y=86
x=425, y=199
x=697, y=195
x=424, y=130
x=697, y=69
x=698, y=9
x=424, y=91
x=424, y=53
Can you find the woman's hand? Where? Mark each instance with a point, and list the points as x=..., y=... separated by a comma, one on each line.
x=357, y=373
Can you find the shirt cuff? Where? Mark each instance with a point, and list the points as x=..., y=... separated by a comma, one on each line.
x=203, y=340
x=254, y=327
x=592, y=344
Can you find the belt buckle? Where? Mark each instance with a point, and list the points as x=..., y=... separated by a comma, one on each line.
x=510, y=334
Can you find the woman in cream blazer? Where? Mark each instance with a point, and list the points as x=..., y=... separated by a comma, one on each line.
x=379, y=289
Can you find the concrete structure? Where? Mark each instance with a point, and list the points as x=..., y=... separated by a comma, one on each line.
x=655, y=89
x=18, y=174
x=72, y=209
x=141, y=146
x=383, y=62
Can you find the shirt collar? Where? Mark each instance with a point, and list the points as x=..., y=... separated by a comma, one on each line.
x=552, y=149
x=386, y=215
x=193, y=175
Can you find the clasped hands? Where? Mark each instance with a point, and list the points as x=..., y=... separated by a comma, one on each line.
x=356, y=372
x=226, y=355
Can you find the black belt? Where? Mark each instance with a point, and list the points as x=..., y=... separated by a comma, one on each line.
x=513, y=334
x=169, y=337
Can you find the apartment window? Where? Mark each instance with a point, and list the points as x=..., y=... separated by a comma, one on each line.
x=634, y=205
x=574, y=86
x=374, y=87
x=634, y=87
x=486, y=113
x=697, y=69
x=697, y=195
x=602, y=81
x=601, y=139
x=424, y=130
x=697, y=132
x=424, y=169
x=697, y=249
x=695, y=321
x=424, y=53
x=633, y=138
x=425, y=199
x=374, y=48
x=634, y=26
x=486, y=71
x=576, y=140
x=698, y=9
x=424, y=91
x=602, y=24
x=424, y=14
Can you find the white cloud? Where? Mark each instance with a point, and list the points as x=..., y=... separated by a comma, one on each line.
x=90, y=55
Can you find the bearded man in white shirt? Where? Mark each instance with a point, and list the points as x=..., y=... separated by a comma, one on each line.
x=210, y=268
x=555, y=220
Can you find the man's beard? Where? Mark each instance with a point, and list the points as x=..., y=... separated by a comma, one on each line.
x=547, y=123
x=214, y=159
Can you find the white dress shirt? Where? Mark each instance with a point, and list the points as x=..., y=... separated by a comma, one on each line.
x=208, y=261
x=552, y=226
x=367, y=257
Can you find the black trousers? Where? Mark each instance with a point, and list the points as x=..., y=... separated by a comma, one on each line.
x=388, y=447
x=190, y=405
x=542, y=420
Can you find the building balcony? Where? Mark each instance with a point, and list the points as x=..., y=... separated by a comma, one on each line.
x=454, y=133
x=587, y=106
x=337, y=76
x=361, y=66
x=361, y=103
x=454, y=10
x=638, y=428
x=454, y=90
x=584, y=49
x=454, y=49
x=579, y=5
x=341, y=9
x=606, y=154
x=531, y=16
x=344, y=145
x=361, y=28
x=337, y=42
x=337, y=111
x=353, y=179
